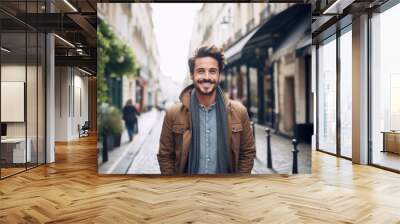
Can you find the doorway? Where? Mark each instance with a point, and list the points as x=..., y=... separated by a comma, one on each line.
x=289, y=105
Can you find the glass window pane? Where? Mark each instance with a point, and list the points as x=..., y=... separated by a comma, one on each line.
x=385, y=114
x=31, y=97
x=23, y=84
x=13, y=85
x=41, y=99
x=346, y=94
x=327, y=96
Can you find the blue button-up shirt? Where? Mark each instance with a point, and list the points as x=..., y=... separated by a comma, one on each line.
x=208, y=140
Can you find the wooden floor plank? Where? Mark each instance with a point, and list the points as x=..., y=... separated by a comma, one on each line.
x=71, y=191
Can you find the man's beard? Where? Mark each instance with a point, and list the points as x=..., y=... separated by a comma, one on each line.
x=198, y=87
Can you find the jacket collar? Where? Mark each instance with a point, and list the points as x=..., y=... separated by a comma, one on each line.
x=185, y=97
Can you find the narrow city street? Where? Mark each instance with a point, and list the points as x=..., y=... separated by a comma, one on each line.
x=286, y=87
x=145, y=162
x=281, y=153
x=140, y=155
x=122, y=158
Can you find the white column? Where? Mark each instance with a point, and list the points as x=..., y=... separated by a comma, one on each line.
x=63, y=102
x=360, y=90
x=50, y=99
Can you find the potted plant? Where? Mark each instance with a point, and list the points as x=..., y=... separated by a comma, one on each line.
x=117, y=126
x=110, y=127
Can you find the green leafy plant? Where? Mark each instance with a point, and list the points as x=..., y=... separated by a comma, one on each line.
x=114, y=59
x=102, y=59
x=109, y=120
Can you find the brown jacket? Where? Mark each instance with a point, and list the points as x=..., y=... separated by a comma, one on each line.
x=176, y=136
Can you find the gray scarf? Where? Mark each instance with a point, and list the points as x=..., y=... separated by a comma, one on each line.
x=222, y=135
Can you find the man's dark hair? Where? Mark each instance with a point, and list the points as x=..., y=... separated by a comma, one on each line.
x=208, y=51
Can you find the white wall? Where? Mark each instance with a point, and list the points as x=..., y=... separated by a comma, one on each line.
x=12, y=73
x=16, y=73
x=71, y=87
x=128, y=89
x=61, y=103
x=33, y=126
x=80, y=83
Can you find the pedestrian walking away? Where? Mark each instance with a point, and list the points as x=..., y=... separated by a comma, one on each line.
x=130, y=117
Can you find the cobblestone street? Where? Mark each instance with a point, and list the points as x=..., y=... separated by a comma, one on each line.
x=140, y=155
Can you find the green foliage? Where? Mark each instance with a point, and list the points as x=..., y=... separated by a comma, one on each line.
x=109, y=120
x=102, y=59
x=121, y=59
x=114, y=59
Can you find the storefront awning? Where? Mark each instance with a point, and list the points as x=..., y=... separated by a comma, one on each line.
x=298, y=37
x=276, y=30
x=305, y=42
x=233, y=53
x=304, y=46
x=270, y=33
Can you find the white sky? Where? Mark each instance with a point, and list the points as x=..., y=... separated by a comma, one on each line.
x=173, y=23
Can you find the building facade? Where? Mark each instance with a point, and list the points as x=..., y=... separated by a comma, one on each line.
x=271, y=78
x=133, y=24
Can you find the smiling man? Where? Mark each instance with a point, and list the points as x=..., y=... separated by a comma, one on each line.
x=206, y=133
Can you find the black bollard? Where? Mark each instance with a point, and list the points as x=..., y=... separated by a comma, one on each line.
x=294, y=151
x=253, y=127
x=105, y=149
x=269, y=154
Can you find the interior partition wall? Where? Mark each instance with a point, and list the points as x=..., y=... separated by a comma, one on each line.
x=22, y=77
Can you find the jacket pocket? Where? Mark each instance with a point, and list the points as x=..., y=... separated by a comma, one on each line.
x=178, y=128
x=237, y=130
x=178, y=131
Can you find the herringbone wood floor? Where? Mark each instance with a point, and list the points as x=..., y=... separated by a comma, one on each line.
x=70, y=191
